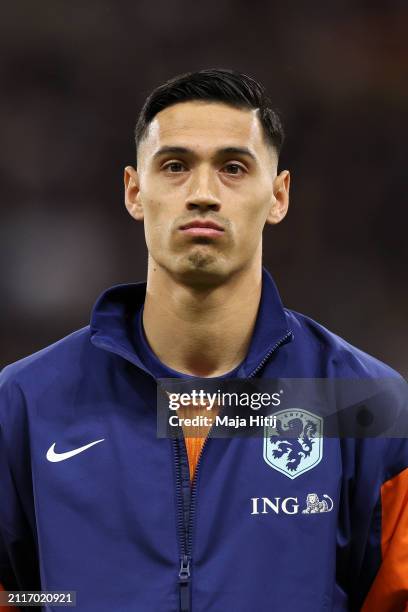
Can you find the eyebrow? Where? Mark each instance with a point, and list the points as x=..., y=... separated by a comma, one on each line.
x=186, y=151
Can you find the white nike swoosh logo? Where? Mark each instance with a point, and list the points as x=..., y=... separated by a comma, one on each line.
x=53, y=456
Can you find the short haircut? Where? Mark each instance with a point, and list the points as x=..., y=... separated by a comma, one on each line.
x=214, y=85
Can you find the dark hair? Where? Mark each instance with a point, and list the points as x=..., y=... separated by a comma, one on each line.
x=214, y=85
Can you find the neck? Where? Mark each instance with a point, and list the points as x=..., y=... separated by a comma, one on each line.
x=202, y=332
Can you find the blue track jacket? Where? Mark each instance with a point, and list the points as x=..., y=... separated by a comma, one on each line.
x=118, y=522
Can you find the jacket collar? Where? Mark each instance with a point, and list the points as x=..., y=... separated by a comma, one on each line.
x=113, y=319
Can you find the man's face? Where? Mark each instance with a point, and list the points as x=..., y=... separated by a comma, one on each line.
x=199, y=163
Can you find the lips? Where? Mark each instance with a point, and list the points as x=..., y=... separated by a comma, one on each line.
x=209, y=229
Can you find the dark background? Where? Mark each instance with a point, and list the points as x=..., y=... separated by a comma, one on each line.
x=73, y=78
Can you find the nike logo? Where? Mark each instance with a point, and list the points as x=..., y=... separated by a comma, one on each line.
x=53, y=456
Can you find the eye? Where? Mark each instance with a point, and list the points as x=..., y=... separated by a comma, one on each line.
x=174, y=167
x=234, y=168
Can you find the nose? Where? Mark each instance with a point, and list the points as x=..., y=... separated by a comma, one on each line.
x=203, y=194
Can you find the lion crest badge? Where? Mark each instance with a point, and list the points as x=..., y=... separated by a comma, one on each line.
x=295, y=444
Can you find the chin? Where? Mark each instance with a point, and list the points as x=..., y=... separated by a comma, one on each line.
x=200, y=268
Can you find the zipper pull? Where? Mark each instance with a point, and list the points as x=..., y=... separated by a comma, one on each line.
x=184, y=577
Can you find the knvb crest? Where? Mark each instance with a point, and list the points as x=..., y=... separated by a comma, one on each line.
x=295, y=444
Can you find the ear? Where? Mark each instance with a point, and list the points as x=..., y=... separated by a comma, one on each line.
x=132, y=193
x=280, y=199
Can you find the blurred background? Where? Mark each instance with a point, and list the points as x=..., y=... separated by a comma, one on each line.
x=73, y=79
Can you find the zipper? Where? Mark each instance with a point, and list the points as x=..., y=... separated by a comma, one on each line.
x=186, y=527
x=184, y=580
x=183, y=506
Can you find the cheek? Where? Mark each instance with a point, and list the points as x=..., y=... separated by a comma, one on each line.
x=254, y=211
x=157, y=223
x=158, y=200
x=152, y=206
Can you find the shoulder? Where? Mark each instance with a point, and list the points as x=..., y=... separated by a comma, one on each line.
x=62, y=355
x=347, y=359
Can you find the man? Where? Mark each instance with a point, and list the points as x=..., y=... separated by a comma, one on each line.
x=93, y=501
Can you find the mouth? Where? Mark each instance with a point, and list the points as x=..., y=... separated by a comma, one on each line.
x=207, y=229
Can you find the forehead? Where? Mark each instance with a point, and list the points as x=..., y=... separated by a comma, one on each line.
x=204, y=124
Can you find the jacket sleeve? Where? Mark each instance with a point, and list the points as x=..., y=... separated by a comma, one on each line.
x=8, y=579
x=5, y=571
x=18, y=555
x=389, y=591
